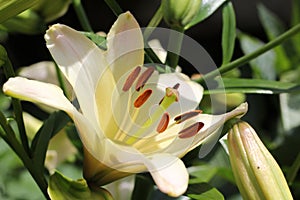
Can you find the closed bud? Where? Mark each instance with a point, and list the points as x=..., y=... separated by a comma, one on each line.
x=27, y=22
x=256, y=172
x=51, y=10
x=178, y=13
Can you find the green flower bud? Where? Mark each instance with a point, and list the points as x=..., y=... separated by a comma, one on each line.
x=28, y=22
x=256, y=172
x=178, y=13
x=51, y=10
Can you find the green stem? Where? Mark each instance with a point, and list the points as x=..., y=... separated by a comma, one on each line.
x=245, y=59
x=82, y=16
x=292, y=173
x=114, y=6
x=9, y=72
x=175, y=42
x=10, y=138
x=156, y=19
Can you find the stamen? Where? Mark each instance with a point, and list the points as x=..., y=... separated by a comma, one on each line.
x=144, y=78
x=163, y=124
x=142, y=98
x=131, y=78
x=191, y=130
x=176, y=86
x=181, y=118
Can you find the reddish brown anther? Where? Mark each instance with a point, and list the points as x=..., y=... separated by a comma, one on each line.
x=191, y=130
x=163, y=124
x=144, y=78
x=142, y=98
x=181, y=118
x=131, y=78
x=176, y=86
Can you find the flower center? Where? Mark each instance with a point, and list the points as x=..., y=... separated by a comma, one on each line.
x=160, y=117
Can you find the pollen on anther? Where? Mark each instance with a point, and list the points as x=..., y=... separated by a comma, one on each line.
x=185, y=116
x=131, y=78
x=144, y=78
x=142, y=98
x=163, y=123
x=191, y=130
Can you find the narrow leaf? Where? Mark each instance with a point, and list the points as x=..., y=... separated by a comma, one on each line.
x=296, y=20
x=10, y=8
x=142, y=188
x=262, y=66
x=40, y=142
x=258, y=86
x=207, y=8
x=99, y=40
x=204, y=191
x=273, y=27
x=228, y=32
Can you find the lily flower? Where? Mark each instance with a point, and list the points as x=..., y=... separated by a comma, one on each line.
x=131, y=119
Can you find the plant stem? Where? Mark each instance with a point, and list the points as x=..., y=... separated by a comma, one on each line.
x=9, y=72
x=8, y=134
x=156, y=19
x=82, y=16
x=174, y=47
x=292, y=173
x=246, y=58
x=114, y=6
x=10, y=138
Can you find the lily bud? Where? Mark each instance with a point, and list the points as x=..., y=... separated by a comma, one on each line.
x=27, y=22
x=51, y=10
x=178, y=13
x=256, y=172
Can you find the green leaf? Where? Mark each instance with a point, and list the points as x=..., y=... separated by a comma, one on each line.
x=204, y=191
x=289, y=103
x=10, y=8
x=40, y=142
x=202, y=173
x=63, y=188
x=4, y=101
x=207, y=8
x=258, y=86
x=142, y=188
x=262, y=66
x=273, y=27
x=99, y=40
x=228, y=32
x=28, y=22
x=296, y=20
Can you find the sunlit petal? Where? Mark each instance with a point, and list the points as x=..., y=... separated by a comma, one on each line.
x=81, y=61
x=38, y=92
x=169, y=173
x=125, y=46
x=212, y=125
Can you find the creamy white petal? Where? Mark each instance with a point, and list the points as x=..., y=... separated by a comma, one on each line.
x=44, y=71
x=212, y=125
x=125, y=45
x=156, y=46
x=38, y=92
x=82, y=63
x=169, y=173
